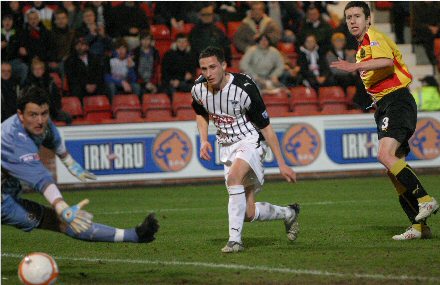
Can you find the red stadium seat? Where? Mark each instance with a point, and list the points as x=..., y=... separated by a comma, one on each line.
x=185, y=114
x=97, y=108
x=306, y=108
x=276, y=105
x=232, y=29
x=156, y=107
x=72, y=105
x=129, y=116
x=126, y=102
x=181, y=100
x=332, y=100
x=351, y=92
x=303, y=99
x=332, y=94
x=160, y=32
x=334, y=108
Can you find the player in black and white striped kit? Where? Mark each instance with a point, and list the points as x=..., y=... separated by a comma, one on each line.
x=233, y=102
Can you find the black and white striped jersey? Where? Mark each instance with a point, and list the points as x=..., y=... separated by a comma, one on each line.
x=237, y=110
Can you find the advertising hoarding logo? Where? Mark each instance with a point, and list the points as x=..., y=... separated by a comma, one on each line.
x=301, y=144
x=425, y=143
x=172, y=150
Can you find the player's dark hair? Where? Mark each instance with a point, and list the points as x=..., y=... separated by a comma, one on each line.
x=213, y=51
x=359, y=4
x=32, y=94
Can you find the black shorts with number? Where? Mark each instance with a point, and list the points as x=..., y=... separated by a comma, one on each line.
x=396, y=117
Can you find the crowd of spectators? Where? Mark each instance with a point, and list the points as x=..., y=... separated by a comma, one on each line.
x=99, y=47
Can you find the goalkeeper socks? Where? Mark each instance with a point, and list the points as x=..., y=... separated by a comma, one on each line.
x=100, y=232
x=269, y=212
x=236, y=211
x=406, y=176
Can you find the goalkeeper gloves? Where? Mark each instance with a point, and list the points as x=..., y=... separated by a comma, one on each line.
x=79, y=220
x=76, y=170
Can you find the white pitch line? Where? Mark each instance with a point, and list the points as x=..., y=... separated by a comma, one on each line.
x=244, y=267
x=321, y=203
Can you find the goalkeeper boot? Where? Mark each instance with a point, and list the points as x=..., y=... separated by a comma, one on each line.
x=147, y=229
x=291, y=223
x=233, y=246
x=410, y=233
x=426, y=232
x=426, y=209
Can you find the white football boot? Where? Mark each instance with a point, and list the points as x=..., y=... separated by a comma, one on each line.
x=426, y=209
x=411, y=233
x=291, y=224
x=233, y=246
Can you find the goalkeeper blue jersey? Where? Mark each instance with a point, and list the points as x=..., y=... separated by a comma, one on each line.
x=20, y=158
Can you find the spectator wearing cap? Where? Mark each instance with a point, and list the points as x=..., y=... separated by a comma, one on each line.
x=254, y=25
x=100, y=43
x=205, y=33
x=84, y=71
x=61, y=37
x=35, y=39
x=10, y=45
x=147, y=60
x=338, y=51
x=120, y=74
x=428, y=95
x=264, y=63
x=40, y=77
x=179, y=77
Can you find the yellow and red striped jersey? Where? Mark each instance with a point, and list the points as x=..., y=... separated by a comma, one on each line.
x=381, y=82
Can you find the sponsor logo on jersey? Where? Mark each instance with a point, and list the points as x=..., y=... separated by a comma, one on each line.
x=265, y=114
x=29, y=157
x=425, y=143
x=172, y=150
x=222, y=119
x=374, y=43
x=301, y=144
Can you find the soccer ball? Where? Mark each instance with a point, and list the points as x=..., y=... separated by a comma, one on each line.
x=38, y=268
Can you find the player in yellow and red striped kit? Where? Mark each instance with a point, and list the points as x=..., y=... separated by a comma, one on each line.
x=386, y=78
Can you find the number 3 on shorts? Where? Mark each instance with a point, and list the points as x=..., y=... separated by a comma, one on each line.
x=384, y=123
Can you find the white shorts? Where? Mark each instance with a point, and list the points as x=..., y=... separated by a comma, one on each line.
x=249, y=151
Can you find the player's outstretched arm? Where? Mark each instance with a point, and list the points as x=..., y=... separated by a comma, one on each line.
x=205, y=146
x=373, y=64
x=75, y=169
x=272, y=141
x=78, y=219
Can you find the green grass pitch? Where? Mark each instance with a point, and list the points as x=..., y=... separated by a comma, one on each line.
x=346, y=229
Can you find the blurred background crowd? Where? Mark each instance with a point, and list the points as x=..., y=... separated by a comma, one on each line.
x=94, y=48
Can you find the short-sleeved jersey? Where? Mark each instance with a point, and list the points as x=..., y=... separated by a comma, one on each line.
x=20, y=159
x=237, y=110
x=381, y=82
